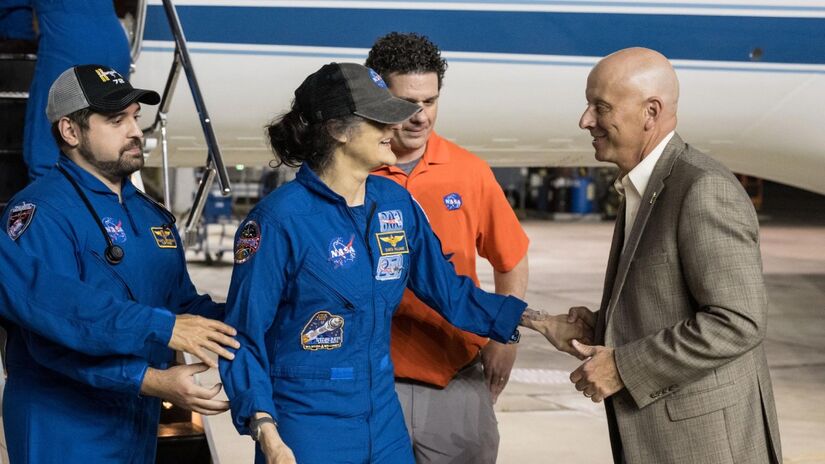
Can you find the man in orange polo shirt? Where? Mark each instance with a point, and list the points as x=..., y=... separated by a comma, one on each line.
x=447, y=379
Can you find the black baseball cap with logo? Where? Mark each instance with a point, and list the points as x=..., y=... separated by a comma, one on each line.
x=341, y=89
x=97, y=87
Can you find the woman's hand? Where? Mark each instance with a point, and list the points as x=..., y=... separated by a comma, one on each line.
x=273, y=447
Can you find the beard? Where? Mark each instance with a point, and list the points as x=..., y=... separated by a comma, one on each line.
x=124, y=166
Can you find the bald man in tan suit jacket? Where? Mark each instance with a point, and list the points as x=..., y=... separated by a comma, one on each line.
x=679, y=359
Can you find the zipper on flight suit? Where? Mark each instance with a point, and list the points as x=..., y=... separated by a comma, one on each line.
x=372, y=300
x=347, y=304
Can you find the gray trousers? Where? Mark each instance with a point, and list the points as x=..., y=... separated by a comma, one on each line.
x=454, y=425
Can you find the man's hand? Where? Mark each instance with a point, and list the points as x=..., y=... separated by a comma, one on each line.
x=557, y=329
x=497, y=359
x=178, y=386
x=198, y=335
x=585, y=315
x=598, y=377
x=273, y=447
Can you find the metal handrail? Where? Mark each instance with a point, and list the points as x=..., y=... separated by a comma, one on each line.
x=214, y=162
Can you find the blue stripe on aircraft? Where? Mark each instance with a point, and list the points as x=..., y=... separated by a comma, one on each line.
x=683, y=37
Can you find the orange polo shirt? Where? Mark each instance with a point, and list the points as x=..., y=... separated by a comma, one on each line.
x=468, y=212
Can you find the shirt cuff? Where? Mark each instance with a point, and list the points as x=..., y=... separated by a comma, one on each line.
x=509, y=315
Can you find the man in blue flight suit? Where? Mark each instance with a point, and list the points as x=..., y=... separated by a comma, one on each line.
x=74, y=314
x=85, y=218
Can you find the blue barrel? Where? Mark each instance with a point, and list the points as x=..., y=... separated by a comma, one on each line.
x=582, y=195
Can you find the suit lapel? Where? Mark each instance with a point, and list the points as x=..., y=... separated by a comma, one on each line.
x=615, y=254
x=653, y=191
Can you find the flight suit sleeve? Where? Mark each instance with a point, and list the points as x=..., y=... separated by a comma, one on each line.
x=258, y=280
x=67, y=311
x=52, y=241
x=433, y=280
x=186, y=299
x=501, y=239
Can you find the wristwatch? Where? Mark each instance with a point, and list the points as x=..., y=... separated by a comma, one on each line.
x=514, y=338
x=255, y=426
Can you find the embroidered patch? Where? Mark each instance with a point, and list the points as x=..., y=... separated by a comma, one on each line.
x=324, y=331
x=452, y=201
x=114, y=227
x=164, y=237
x=342, y=254
x=392, y=243
x=391, y=220
x=20, y=217
x=377, y=79
x=249, y=239
x=389, y=267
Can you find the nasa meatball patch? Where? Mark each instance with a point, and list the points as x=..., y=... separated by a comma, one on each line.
x=248, y=242
x=324, y=331
x=20, y=217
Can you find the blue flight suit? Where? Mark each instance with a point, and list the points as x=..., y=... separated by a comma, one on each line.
x=72, y=32
x=313, y=292
x=67, y=311
x=62, y=406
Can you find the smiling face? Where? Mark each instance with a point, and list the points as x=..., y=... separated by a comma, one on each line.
x=368, y=145
x=615, y=116
x=112, y=145
x=410, y=142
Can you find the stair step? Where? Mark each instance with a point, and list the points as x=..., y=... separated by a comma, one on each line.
x=16, y=72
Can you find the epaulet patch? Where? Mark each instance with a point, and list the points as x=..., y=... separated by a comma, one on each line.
x=248, y=242
x=20, y=217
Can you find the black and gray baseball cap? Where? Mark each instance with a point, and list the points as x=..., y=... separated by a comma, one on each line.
x=97, y=87
x=341, y=89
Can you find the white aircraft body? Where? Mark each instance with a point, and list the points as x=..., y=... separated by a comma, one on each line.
x=752, y=72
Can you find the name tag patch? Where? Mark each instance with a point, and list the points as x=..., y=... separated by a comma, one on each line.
x=20, y=217
x=324, y=331
x=164, y=237
x=392, y=243
x=389, y=267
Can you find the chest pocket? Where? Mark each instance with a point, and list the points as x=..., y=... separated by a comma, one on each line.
x=99, y=273
x=326, y=317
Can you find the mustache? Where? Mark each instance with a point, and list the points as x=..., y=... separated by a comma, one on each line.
x=134, y=143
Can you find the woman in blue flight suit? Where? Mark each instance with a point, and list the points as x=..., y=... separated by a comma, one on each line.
x=321, y=265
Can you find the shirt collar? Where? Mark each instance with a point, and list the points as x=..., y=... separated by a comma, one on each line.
x=433, y=154
x=89, y=182
x=639, y=176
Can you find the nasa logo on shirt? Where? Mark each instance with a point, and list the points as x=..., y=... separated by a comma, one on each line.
x=342, y=253
x=324, y=331
x=20, y=217
x=114, y=227
x=452, y=201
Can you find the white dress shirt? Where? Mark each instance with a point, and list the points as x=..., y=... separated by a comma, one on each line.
x=632, y=186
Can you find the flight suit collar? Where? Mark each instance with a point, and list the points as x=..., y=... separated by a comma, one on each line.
x=91, y=183
x=307, y=177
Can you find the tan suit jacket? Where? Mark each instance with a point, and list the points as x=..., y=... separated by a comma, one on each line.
x=685, y=308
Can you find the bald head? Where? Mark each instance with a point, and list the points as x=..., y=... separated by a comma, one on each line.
x=643, y=72
x=632, y=97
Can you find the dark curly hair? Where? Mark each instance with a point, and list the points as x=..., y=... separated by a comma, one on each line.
x=406, y=54
x=295, y=141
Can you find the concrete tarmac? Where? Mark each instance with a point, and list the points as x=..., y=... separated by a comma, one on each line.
x=543, y=419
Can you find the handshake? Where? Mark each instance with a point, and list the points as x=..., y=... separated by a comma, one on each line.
x=574, y=333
